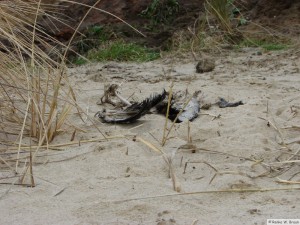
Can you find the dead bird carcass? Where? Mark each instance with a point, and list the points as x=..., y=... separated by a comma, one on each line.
x=188, y=107
x=132, y=112
x=183, y=107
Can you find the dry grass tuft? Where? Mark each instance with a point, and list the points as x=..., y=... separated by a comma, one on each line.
x=36, y=97
x=220, y=10
x=34, y=104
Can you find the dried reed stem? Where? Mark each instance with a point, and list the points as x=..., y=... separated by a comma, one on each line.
x=167, y=113
x=176, y=118
x=211, y=192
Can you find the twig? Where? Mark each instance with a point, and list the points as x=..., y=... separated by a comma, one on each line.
x=287, y=181
x=194, y=222
x=172, y=175
x=293, y=155
x=30, y=167
x=69, y=143
x=6, y=192
x=149, y=145
x=209, y=114
x=7, y=164
x=294, y=175
x=295, y=140
x=60, y=191
x=21, y=132
x=286, y=162
x=273, y=124
x=211, y=192
x=167, y=114
x=180, y=112
x=291, y=127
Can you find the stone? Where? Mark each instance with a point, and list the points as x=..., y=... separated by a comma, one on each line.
x=205, y=65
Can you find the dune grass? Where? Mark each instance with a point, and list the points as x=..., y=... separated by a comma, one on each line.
x=28, y=78
x=34, y=105
x=220, y=9
x=36, y=97
x=221, y=27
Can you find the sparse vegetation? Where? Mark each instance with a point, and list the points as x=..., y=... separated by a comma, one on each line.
x=161, y=11
x=266, y=45
x=220, y=26
x=119, y=51
x=28, y=74
x=101, y=44
x=92, y=38
x=221, y=10
x=79, y=61
x=34, y=104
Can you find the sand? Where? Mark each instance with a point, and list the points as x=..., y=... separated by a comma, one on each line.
x=121, y=180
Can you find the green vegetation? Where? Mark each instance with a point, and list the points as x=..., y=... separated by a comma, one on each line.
x=220, y=9
x=121, y=51
x=93, y=37
x=225, y=13
x=79, y=61
x=100, y=44
x=266, y=45
x=161, y=11
x=221, y=25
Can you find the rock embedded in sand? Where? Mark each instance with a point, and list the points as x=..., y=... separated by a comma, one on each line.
x=205, y=65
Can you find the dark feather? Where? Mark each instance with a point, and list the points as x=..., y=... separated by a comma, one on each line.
x=222, y=103
x=133, y=112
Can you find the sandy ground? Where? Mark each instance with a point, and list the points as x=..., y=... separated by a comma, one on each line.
x=123, y=181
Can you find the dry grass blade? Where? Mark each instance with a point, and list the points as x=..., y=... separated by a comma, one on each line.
x=176, y=185
x=31, y=101
x=285, y=162
x=287, y=181
x=6, y=163
x=167, y=113
x=34, y=103
x=213, y=192
x=147, y=143
x=55, y=146
x=219, y=8
x=273, y=124
x=176, y=118
x=194, y=222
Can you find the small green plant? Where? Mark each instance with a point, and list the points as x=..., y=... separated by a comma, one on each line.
x=79, y=61
x=121, y=51
x=98, y=45
x=161, y=11
x=93, y=37
x=266, y=45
